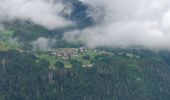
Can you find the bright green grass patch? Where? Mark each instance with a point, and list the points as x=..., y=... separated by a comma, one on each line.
x=6, y=45
x=50, y=59
x=3, y=47
x=6, y=40
x=7, y=32
x=9, y=44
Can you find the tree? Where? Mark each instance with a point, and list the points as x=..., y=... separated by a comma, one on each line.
x=59, y=64
x=76, y=63
x=86, y=57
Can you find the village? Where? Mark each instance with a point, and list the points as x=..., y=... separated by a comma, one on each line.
x=68, y=53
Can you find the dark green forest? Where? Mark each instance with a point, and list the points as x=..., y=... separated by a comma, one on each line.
x=23, y=76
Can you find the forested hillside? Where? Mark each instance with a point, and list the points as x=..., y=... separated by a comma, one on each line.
x=23, y=76
x=84, y=50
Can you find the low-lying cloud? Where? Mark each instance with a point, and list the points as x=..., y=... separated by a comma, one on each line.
x=43, y=43
x=126, y=23
x=118, y=23
x=46, y=13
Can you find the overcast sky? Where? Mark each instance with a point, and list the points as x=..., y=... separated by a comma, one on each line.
x=118, y=23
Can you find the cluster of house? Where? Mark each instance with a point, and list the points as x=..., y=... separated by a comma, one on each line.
x=67, y=53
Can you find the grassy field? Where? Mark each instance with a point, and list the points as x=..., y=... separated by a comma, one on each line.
x=3, y=46
x=7, y=32
x=6, y=40
x=52, y=59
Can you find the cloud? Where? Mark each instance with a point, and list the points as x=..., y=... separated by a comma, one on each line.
x=126, y=23
x=118, y=23
x=47, y=13
x=43, y=43
x=1, y=28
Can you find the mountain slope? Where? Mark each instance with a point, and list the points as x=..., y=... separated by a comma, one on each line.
x=112, y=77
